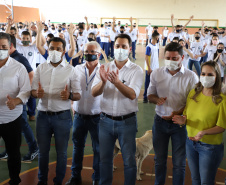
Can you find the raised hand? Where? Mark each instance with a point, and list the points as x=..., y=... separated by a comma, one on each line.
x=203, y=23
x=191, y=17
x=172, y=16
x=65, y=94
x=104, y=74
x=113, y=77
x=40, y=91
x=71, y=29
x=40, y=26
x=10, y=103
x=131, y=19
x=113, y=19
x=85, y=18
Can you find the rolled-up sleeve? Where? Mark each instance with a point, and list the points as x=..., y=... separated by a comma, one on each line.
x=137, y=81
x=36, y=79
x=75, y=82
x=152, y=85
x=24, y=85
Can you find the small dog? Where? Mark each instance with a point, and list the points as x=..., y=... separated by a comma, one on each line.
x=144, y=145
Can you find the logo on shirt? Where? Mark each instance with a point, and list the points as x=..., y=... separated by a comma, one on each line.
x=123, y=81
x=30, y=54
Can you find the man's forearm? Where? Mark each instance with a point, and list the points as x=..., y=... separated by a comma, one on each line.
x=125, y=90
x=98, y=89
x=153, y=98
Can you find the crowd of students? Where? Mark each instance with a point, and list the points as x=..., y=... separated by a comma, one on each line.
x=59, y=65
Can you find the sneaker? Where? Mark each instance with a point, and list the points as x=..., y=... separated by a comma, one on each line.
x=30, y=156
x=145, y=101
x=134, y=58
x=74, y=181
x=3, y=155
x=42, y=183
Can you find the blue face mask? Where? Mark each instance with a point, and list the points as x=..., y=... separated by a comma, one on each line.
x=63, y=29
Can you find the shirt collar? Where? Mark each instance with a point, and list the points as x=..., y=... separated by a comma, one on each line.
x=8, y=61
x=181, y=69
x=14, y=53
x=98, y=65
x=127, y=64
x=62, y=63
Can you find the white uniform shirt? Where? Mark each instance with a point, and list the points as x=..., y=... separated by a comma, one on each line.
x=165, y=33
x=186, y=58
x=53, y=81
x=46, y=33
x=14, y=81
x=176, y=88
x=154, y=57
x=88, y=104
x=81, y=41
x=105, y=32
x=30, y=53
x=114, y=102
x=223, y=58
x=196, y=49
x=134, y=35
x=210, y=49
x=149, y=29
x=173, y=34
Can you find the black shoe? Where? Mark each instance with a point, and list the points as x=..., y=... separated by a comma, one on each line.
x=145, y=101
x=42, y=183
x=3, y=155
x=30, y=156
x=74, y=181
x=95, y=182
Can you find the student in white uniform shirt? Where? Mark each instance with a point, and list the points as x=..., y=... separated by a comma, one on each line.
x=113, y=34
x=45, y=31
x=104, y=39
x=118, y=26
x=168, y=89
x=220, y=58
x=151, y=62
x=196, y=49
x=15, y=91
x=187, y=53
x=81, y=37
x=20, y=28
x=149, y=31
x=86, y=115
x=65, y=32
x=97, y=33
x=2, y=29
x=55, y=83
x=120, y=82
x=137, y=30
x=211, y=48
x=165, y=34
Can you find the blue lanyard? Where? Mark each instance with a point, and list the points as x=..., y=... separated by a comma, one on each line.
x=87, y=83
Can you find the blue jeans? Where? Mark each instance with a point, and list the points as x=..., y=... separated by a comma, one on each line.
x=31, y=105
x=105, y=47
x=133, y=49
x=60, y=126
x=162, y=132
x=125, y=132
x=203, y=161
x=111, y=49
x=81, y=127
x=27, y=132
x=197, y=66
x=146, y=84
x=164, y=41
x=98, y=40
x=203, y=59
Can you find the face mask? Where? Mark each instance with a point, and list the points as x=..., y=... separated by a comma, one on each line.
x=91, y=26
x=34, y=34
x=80, y=33
x=121, y=54
x=55, y=56
x=171, y=65
x=177, y=31
x=53, y=28
x=90, y=39
x=158, y=41
x=25, y=43
x=207, y=81
x=20, y=27
x=197, y=38
x=109, y=25
x=45, y=29
x=90, y=58
x=63, y=29
x=219, y=50
x=4, y=53
x=59, y=31
x=134, y=26
x=126, y=26
x=121, y=31
x=3, y=29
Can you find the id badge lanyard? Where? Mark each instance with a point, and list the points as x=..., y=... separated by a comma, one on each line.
x=87, y=83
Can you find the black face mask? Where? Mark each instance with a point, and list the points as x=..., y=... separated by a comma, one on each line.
x=45, y=29
x=53, y=28
x=126, y=26
x=3, y=29
x=109, y=25
x=121, y=31
x=20, y=27
x=80, y=33
x=90, y=58
x=158, y=41
x=219, y=50
x=90, y=39
x=34, y=34
x=91, y=26
x=134, y=26
x=177, y=31
x=197, y=38
x=59, y=31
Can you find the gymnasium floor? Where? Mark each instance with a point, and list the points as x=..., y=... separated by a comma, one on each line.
x=146, y=114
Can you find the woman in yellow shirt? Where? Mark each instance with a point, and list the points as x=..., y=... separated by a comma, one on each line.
x=205, y=119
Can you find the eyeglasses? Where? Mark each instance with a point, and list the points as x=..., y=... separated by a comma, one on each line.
x=90, y=52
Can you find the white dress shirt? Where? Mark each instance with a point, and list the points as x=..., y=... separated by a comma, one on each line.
x=114, y=103
x=176, y=88
x=14, y=81
x=105, y=32
x=53, y=81
x=88, y=104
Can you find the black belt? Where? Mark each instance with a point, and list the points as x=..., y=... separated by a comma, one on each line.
x=120, y=118
x=49, y=113
x=84, y=116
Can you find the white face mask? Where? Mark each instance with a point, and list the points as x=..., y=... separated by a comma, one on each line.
x=121, y=54
x=55, y=56
x=4, y=53
x=171, y=65
x=207, y=81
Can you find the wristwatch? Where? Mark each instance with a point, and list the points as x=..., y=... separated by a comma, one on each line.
x=70, y=96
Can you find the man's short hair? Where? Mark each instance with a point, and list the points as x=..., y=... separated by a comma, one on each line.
x=50, y=35
x=173, y=46
x=181, y=40
x=122, y=27
x=26, y=33
x=13, y=40
x=155, y=34
x=176, y=38
x=156, y=27
x=13, y=28
x=124, y=36
x=93, y=43
x=5, y=36
x=57, y=39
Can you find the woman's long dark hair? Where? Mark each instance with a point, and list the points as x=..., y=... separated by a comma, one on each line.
x=215, y=54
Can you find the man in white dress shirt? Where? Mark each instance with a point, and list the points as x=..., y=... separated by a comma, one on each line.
x=119, y=82
x=55, y=83
x=87, y=115
x=15, y=91
x=168, y=89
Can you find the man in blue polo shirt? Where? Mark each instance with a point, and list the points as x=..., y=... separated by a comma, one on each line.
x=26, y=129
